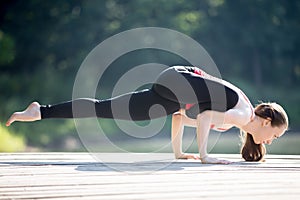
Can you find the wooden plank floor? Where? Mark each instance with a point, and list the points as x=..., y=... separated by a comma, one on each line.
x=145, y=176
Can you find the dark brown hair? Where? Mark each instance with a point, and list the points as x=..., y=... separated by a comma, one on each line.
x=255, y=152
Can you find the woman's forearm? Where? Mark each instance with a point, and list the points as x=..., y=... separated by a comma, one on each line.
x=179, y=120
x=203, y=127
x=176, y=134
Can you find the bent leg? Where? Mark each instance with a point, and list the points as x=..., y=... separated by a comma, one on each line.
x=179, y=84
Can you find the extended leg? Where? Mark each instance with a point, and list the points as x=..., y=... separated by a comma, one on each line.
x=141, y=105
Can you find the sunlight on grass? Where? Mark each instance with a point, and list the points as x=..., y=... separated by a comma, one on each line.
x=10, y=142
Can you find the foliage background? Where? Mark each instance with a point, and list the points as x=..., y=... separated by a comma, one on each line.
x=255, y=44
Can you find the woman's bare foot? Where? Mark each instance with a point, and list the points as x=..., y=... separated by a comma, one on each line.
x=32, y=113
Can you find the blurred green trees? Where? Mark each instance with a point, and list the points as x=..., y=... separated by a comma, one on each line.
x=255, y=45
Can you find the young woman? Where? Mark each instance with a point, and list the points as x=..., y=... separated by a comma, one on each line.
x=194, y=98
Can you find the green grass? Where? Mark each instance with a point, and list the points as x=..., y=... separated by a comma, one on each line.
x=10, y=142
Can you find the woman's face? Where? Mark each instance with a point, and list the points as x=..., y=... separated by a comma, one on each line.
x=266, y=133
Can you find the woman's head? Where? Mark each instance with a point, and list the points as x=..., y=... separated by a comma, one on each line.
x=271, y=123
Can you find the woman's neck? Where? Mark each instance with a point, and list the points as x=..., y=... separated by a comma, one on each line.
x=251, y=126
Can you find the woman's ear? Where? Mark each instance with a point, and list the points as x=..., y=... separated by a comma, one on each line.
x=266, y=122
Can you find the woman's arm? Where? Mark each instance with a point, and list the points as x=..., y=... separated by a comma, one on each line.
x=203, y=127
x=202, y=123
x=176, y=134
x=179, y=120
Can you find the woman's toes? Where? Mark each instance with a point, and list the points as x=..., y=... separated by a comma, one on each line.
x=11, y=119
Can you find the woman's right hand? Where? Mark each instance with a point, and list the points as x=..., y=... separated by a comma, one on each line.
x=210, y=160
x=188, y=156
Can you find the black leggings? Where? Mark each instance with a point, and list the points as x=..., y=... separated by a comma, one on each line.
x=174, y=88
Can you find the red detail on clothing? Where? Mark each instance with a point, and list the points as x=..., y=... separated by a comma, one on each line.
x=198, y=71
x=188, y=106
x=222, y=129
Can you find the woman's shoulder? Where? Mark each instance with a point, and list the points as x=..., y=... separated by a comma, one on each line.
x=243, y=111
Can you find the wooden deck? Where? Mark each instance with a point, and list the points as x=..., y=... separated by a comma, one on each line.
x=145, y=176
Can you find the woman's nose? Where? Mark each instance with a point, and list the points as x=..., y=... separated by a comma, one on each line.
x=269, y=142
